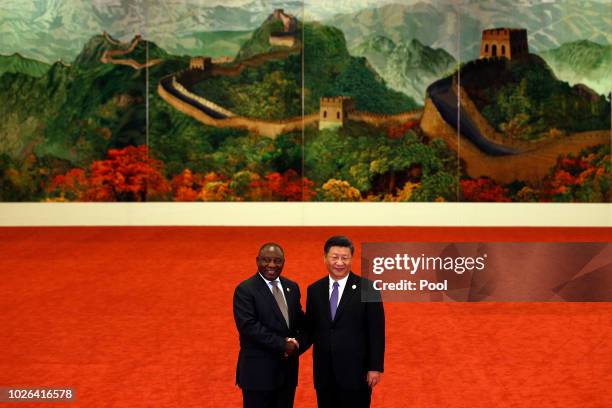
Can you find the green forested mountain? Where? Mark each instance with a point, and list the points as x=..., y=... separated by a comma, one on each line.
x=583, y=62
x=71, y=115
x=96, y=46
x=217, y=43
x=524, y=99
x=259, y=41
x=16, y=63
x=438, y=24
x=274, y=89
x=407, y=66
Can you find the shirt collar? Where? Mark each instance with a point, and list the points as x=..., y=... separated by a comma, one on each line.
x=341, y=282
x=268, y=282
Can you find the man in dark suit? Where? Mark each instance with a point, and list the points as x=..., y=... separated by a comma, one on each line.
x=269, y=317
x=348, y=335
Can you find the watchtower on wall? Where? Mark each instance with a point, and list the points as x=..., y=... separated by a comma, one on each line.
x=334, y=111
x=510, y=43
x=200, y=63
x=285, y=38
x=289, y=23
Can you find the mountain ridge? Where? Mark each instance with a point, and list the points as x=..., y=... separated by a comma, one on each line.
x=583, y=62
x=17, y=63
x=407, y=66
x=440, y=24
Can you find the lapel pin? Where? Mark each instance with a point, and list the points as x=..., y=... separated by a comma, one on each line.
x=354, y=287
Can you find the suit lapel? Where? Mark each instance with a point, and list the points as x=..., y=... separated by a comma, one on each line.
x=264, y=289
x=323, y=294
x=347, y=294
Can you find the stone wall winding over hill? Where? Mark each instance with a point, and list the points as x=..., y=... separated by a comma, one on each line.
x=529, y=166
x=175, y=90
x=379, y=119
x=108, y=57
x=209, y=104
x=264, y=128
x=488, y=131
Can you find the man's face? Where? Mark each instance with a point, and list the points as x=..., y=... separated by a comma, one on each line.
x=338, y=262
x=270, y=262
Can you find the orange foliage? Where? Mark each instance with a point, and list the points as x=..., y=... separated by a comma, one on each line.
x=188, y=186
x=128, y=174
x=71, y=185
x=341, y=190
x=570, y=173
x=214, y=188
x=244, y=186
x=483, y=190
x=184, y=187
x=398, y=132
x=288, y=186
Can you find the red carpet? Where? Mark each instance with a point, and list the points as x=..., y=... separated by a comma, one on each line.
x=141, y=317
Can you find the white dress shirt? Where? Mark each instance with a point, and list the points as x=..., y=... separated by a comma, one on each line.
x=270, y=286
x=341, y=285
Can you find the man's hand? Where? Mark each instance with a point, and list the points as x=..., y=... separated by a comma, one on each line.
x=291, y=346
x=374, y=378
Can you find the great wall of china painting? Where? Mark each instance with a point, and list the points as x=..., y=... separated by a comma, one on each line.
x=282, y=100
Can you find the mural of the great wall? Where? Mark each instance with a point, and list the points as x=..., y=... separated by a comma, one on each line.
x=432, y=101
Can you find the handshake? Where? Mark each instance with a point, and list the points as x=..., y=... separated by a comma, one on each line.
x=291, y=346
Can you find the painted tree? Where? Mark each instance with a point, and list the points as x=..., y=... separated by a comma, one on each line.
x=586, y=177
x=288, y=186
x=483, y=190
x=184, y=186
x=127, y=174
x=397, y=132
x=339, y=190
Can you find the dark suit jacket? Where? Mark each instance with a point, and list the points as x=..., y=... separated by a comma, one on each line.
x=350, y=345
x=263, y=330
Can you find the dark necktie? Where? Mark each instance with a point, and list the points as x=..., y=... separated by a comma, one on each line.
x=333, y=300
x=282, y=305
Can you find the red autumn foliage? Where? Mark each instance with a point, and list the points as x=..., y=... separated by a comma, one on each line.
x=569, y=174
x=128, y=174
x=189, y=186
x=71, y=185
x=184, y=187
x=288, y=186
x=397, y=132
x=483, y=190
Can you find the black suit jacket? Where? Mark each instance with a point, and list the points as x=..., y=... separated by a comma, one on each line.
x=350, y=345
x=263, y=330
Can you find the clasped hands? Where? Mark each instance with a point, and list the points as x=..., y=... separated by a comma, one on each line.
x=291, y=346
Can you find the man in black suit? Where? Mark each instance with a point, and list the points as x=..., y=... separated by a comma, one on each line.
x=269, y=317
x=348, y=335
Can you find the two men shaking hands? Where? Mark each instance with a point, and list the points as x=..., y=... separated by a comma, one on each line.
x=347, y=335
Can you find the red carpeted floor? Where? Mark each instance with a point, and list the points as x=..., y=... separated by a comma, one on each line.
x=141, y=317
